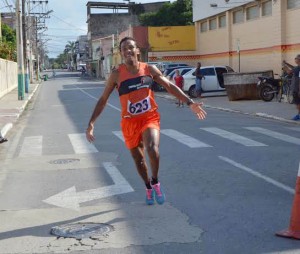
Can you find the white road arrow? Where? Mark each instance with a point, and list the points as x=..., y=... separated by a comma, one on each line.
x=71, y=199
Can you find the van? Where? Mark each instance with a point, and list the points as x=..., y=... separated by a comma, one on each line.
x=213, y=79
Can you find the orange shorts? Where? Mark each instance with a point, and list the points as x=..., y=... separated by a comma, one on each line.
x=134, y=127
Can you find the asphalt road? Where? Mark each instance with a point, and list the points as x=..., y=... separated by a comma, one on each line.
x=229, y=180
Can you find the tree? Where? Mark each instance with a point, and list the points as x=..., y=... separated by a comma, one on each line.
x=178, y=13
x=70, y=50
x=8, y=43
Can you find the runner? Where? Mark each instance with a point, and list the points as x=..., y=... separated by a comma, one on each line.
x=140, y=122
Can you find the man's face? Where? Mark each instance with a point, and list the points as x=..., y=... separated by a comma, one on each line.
x=198, y=65
x=297, y=60
x=129, y=51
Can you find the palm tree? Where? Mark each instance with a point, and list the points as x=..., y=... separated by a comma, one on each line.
x=70, y=51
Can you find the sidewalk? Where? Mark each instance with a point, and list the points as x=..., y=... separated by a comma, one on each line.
x=11, y=108
x=280, y=111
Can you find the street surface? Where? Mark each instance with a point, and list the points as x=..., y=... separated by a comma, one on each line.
x=229, y=180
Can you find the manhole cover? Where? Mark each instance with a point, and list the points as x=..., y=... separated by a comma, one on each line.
x=82, y=230
x=63, y=161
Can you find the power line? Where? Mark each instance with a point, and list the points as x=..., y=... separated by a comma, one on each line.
x=68, y=23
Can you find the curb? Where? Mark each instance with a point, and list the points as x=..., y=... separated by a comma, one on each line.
x=258, y=114
x=7, y=127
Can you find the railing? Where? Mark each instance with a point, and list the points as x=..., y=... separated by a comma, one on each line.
x=8, y=76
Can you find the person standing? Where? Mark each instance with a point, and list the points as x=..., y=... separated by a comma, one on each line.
x=295, y=70
x=140, y=122
x=199, y=78
x=179, y=83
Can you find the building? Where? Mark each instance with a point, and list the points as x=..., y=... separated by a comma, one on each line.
x=81, y=50
x=109, y=25
x=247, y=35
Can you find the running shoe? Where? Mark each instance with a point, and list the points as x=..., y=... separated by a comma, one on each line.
x=296, y=117
x=149, y=196
x=159, y=195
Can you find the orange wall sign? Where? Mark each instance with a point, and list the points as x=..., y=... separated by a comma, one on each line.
x=172, y=38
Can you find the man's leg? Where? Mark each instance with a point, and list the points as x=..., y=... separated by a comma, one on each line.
x=138, y=156
x=151, y=139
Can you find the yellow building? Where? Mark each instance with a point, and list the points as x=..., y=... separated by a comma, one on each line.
x=247, y=35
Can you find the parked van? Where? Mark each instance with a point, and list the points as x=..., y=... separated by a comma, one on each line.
x=213, y=81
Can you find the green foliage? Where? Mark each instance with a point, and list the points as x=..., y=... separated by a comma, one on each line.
x=8, y=44
x=178, y=13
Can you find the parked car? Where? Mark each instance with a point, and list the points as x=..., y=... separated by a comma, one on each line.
x=182, y=71
x=164, y=66
x=213, y=81
x=167, y=73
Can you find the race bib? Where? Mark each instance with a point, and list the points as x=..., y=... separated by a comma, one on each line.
x=139, y=107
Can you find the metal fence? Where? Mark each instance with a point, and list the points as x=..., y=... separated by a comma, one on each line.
x=8, y=76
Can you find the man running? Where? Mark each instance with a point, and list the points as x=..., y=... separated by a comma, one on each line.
x=140, y=122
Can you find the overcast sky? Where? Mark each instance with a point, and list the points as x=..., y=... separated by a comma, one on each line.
x=68, y=21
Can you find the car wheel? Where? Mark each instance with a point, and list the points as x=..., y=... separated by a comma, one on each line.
x=193, y=92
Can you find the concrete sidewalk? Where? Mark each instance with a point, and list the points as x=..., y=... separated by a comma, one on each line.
x=280, y=111
x=11, y=108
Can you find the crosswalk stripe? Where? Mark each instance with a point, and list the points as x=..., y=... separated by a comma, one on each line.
x=276, y=135
x=233, y=137
x=32, y=146
x=295, y=128
x=184, y=139
x=119, y=135
x=81, y=145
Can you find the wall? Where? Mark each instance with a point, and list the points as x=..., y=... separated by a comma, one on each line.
x=8, y=76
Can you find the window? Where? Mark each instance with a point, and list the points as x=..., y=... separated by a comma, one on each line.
x=293, y=4
x=208, y=71
x=203, y=26
x=213, y=24
x=266, y=8
x=238, y=16
x=252, y=12
x=222, y=21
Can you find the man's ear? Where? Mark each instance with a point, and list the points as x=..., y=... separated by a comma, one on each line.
x=138, y=52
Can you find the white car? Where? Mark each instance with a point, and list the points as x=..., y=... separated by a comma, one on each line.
x=182, y=71
x=213, y=81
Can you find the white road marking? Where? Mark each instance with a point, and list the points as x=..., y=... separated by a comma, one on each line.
x=112, y=106
x=80, y=144
x=233, y=137
x=119, y=135
x=276, y=135
x=32, y=146
x=71, y=199
x=295, y=128
x=184, y=139
x=259, y=175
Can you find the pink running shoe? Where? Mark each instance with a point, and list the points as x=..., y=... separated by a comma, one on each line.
x=149, y=196
x=159, y=195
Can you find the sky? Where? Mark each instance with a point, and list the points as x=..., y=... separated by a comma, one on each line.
x=66, y=22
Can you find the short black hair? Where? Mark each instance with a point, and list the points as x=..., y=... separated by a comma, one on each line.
x=127, y=38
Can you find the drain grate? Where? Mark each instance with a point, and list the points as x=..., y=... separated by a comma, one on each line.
x=63, y=161
x=82, y=230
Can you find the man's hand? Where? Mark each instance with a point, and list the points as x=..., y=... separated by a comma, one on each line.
x=198, y=110
x=90, y=134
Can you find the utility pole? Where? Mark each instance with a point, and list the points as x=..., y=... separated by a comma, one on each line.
x=24, y=36
x=20, y=60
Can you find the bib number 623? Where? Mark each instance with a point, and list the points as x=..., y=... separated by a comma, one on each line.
x=139, y=107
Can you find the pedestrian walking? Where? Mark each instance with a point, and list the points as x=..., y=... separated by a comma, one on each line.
x=140, y=122
x=199, y=77
x=179, y=83
x=295, y=70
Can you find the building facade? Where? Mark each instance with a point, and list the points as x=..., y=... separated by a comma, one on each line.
x=250, y=36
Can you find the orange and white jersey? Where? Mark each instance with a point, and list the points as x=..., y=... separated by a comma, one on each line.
x=135, y=91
